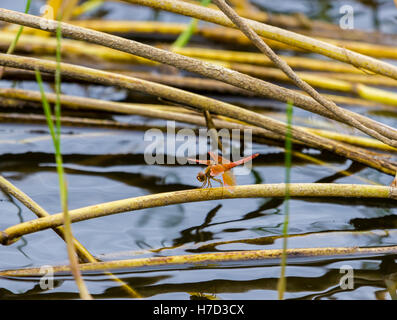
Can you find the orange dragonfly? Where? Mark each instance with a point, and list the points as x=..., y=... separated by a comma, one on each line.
x=394, y=182
x=219, y=166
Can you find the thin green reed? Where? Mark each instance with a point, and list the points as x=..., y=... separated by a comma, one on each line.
x=185, y=36
x=11, y=48
x=13, y=44
x=55, y=132
x=58, y=81
x=282, y=283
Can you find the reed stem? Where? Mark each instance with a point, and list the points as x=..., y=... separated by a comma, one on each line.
x=330, y=190
x=209, y=259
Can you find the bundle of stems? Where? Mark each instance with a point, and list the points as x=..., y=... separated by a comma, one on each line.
x=39, y=45
x=195, y=84
x=201, y=103
x=274, y=33
x=241, y=59
x=167, y=113
x=385, y=134
x=301, y=22
x=226, y=35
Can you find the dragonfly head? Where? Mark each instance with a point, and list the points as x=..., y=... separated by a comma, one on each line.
x=201, y=176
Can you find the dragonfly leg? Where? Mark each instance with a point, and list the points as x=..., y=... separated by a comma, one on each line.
x=221, y=182
x=209, y=186
x=218, y=180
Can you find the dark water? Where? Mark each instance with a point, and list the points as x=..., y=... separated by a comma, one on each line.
x=105, y=165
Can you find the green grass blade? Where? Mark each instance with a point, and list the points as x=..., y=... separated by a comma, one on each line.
x=11, y=48
x=185, y=36
x=282, y=283
x=55, y=132
x=46, y=106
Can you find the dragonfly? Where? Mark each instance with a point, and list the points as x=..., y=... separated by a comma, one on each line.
x=218, y=166
x=394, y=182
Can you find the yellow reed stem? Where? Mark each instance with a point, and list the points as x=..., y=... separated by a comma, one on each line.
x=209, y=259
x=328, y=83
x=233, y=58
x=237, y=60
x=227, y=35
x=328, y=190
x=375, y=80
x=127, y=26
x=355, y=140
x=70, y=48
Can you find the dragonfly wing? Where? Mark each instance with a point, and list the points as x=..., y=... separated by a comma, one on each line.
x=241, y=161
x=213, y=156
x=217, y=158
x=222, y=159
x=206, y=162
x=229, y=180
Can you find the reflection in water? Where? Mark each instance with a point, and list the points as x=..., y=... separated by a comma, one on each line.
x=385, y=222
x=197, y=234
x=353, y=168
x=20, y=218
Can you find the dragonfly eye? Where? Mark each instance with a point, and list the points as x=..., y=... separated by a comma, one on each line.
x=201, y=176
